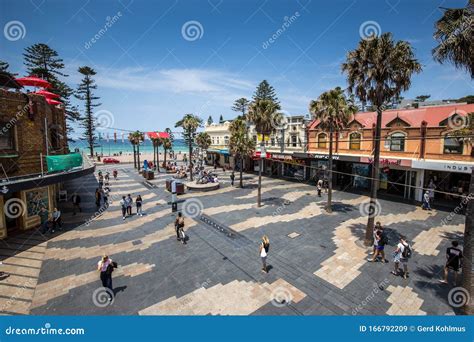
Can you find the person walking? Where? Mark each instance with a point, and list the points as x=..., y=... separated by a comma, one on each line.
x=319, y=187
x=115, y=173
x=264, y=248
x=138, y=202
x=76, y=203
x=56, y=220
x=377, y=227
x=379, y=245
x=123, y=205
x=101, y=179
x=44, y=220
x=129, y=204
x=105, y=266
x=454, y=258
x=401, y=255
x=232, y=178
x=426, y=201
x=179, y=227
x=105, y=194
x=97, y=197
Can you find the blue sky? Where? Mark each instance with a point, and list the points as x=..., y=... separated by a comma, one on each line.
x=150, y=73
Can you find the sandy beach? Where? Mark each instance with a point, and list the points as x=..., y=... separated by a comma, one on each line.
x=128, y=157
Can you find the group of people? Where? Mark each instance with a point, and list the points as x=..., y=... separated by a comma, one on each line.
x=403, y=252
x=48, y=224
x=126, y=204
x=204, y=177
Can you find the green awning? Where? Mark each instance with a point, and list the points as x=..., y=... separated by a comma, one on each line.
x=63, y=162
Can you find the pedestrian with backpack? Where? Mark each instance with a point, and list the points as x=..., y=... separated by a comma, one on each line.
x=179, y=228
x=401, y=255
x=264, y=248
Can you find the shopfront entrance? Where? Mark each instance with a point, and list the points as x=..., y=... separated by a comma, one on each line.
x=12, y=211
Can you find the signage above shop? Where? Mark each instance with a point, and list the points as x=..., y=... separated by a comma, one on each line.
x=326, y=156
x=443, y=166
x=282, y=156
x=388, y=161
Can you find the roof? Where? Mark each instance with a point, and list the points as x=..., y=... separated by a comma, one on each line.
x=414, y=117
x=156, y=135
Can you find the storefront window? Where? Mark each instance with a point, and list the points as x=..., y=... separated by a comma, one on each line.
x=294, y=141
x=6, y=137
x=322, y=140
x=272, y=141
x=397, y=142
x=354, y=141
x=452, y=145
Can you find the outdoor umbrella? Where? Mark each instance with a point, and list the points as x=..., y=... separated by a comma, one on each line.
x=33, y=81
x=47, y=94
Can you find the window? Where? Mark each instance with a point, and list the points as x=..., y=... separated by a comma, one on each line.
x=294, y=141
x=397, y=142
x=213, y=141
x=226, y=140
x=452, y=145
x=322, y=140
x=217, y=140
x=354, y=141
x=6, y=136
x=254, y=138
x=272, y=141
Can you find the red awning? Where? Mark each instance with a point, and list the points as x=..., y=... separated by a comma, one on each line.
x=53, y=102
x=156, y=135
x=33, y=81
x=256, y=155
x=47, y=94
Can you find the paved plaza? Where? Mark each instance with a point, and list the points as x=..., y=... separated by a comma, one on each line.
x=317, y=260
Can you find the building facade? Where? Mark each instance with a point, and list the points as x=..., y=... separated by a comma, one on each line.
x=218, y=153
x=34, y=159
x=418, y=147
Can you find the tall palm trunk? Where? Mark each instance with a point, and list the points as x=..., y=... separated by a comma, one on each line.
x=134, y=157
x=164, y=161
x=158, y=158
x=467, y=282
x=138, y=157
x=154, y=155
x=190, y=160
x=369, y=239
x=241, y=171
x=329, y=204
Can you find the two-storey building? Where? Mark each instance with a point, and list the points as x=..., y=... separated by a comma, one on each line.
x=218, y=153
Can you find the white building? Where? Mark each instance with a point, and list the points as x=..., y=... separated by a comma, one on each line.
x=218, y=152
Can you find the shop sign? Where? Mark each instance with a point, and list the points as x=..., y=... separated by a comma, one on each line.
x=387, y=162
x=334, y=157
x=443, y=166
x=282, y=156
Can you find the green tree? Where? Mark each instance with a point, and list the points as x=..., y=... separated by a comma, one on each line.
x=203, y=140
x=333, y=110
x=454, y=32
x=85, y=93
x=136, y=138
x=221, y=119
x=384, y=69
x=241, y=105
x=240, y=144
x=41, y=60
x=422, y=98
x=190, y=123
x=265, y=92
x=263, y=114
x=168, y=143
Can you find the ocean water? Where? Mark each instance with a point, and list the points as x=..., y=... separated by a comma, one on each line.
x=110, y=147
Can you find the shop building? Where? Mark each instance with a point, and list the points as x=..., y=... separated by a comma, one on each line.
x=418, y=146
x=34, y=159
x=218, y=153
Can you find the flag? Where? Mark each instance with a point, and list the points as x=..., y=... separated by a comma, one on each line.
x=122, y=139
x=107, y=137
x=115, y=137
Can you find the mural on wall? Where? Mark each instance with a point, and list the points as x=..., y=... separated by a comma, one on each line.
x=35, y=200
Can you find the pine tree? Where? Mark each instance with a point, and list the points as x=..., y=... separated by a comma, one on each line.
x=42, y=61
x=265, y=92
x=241, y=105
x=84, y=92
x=221, y=119
x=4, y=66
x=209, y=120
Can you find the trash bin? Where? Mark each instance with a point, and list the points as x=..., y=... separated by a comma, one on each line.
x=179, y=188
x=150, y=175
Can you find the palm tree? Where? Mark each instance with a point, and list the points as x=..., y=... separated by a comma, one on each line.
x=377, y=70
x=132, y=141
x=203, y=140
x=168, y=142
x=136, y=138
x=263, y=114
x=333, y=110
x=239, y=143
x=157, y=142
x=454, y=32
x=190, y=123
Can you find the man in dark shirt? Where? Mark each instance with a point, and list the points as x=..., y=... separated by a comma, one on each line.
x=453, y=262
x=44, y=219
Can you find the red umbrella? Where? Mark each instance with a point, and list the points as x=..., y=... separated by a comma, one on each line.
x=53, y=102
x=33, y=81
x=47, y=94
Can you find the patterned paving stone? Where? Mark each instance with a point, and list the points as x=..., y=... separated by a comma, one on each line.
x=427, y=242
x=404, y=301
x=234, y=298
x=293, y=235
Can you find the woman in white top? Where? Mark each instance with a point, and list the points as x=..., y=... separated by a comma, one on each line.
x=264, y=247
x=105, y=267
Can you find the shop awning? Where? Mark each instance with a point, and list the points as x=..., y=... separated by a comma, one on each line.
x=156, y=135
